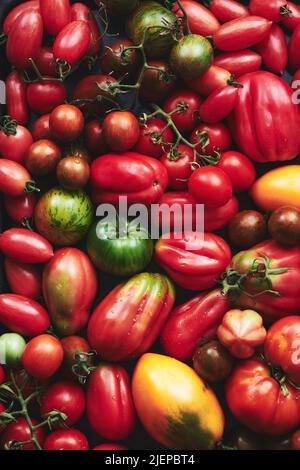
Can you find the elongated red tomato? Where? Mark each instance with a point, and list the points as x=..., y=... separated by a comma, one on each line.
x=15, y=140
x=44, y=97
x=241, y=33
x=215, y=78
x=56, y=15
x=17, y=11
x=72, y=43
x=79, y=11
x=273, y=10
x=23, y=315
x=110, y=408
x=20, y=208
x=219, y=104
x=23, y=279
x=25, y=38
x=25, y=246
x=239, y=62
x=16, y=103
x=294, y=53
x=293, y=20
x=273, y=50
x=227, y=10
x=201, y=20
x=15, y=179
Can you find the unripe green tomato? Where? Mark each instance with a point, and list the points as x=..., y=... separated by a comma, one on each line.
x=12, y=346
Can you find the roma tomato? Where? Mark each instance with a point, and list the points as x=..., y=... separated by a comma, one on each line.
x=66, y=397
x=211, y=186
x=16, y=102
x=119, y=61
x=191, y=56
x=293, y=52
x=239, y=63
x=110, y=408
x=219, y=104
x=80, y=12
x=73, y=172
x=94, y=139
x=219, y=217
x=201, y=21
x=215, y=78
x=247, y=228
x=41, y=128
x=15, y=179
x=56, y=15
x=23, y=315
x=227, y=10
x=15, y=140
x=17, y=11
x=188, y=104
x=42, y=356
x=92, y=94
x=273, y=50
x=45, y=96
x=25, y=246
x=195, y=261
x=45, y=62
x=192, y=322
x=66, y=122
x=20, y=208
x=241, y=33
x=158, y=82
x=19, y=431
x=293, y=20
x=72, y=43
x=66, y=439
x=273, y=10
x=77, y=357
x=121, y=130
x=154, y=138
x=240, y=170
x=25, y=38
x=42, y=157
x=179, y=166
x=212, y=138
x=212, y=361
x=23, y=279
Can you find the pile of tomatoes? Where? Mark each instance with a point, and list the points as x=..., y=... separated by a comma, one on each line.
x=101, y=336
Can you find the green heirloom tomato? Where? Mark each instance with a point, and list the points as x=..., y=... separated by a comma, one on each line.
x=116, y=253
x=64, y=216
x=12, y=346
x=191, y=57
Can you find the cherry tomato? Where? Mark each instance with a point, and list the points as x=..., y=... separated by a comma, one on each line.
x=217, y=218
x=240, y=170
x=247, y=228
x=179, y=167
x=149, y=135
x=216, y=77
x=20, y=208
x=45, y=96
x=66, y=439
x=72, y=43
x=19, y=431
x=92, y=94
x=119, y=62
x=295, y=441
x=239, y=62
x=284, y=225
x=110, y=446
x=219, y=104
x=216, y=135
x=73, y=172
x=15, y=179
x=72, y=346
x=121, y=130
x=227, y=10
x=66, y=397
x=42, y=157
x=15, y=140
x=66, y=122
x=293, y=20
x=45, y=62
x=185, y=120
x=42, y=356
x=273, y=10
x=93, y=138
x=273, y=50
x=16, y=102
x=41, y=128
x=56, y=15
x=157, y=85
x=77, y=151
x=212, y=361
x=79, y=11
x=23, y=279
x=210, y=186
x=25, y=246
x=17, y=11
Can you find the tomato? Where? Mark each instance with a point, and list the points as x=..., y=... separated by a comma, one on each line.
x=295, y=441
x=215, y=78
x=44, y=97
x=42, y=157
x=294, y=56
x=42, y=356
x=77, y=151
x=45, y=62
x=110, y=446
x=56, y=15
x=15, y=140
x=12, y=346
x=93, y=138
x=273, y=50
x=210, y=186
x=239, y=63
x=120, y=130
x=156, y=84
x=66, y=397
x=2, y=375
x=273, y=10
x=118, y=7
x=66, y=439
x=241, y=33
x=25, y=38
x=284, y=225
x=92, y=94
x=212, y=361
x=240, y=170
x=282, y=347
x=25, y=246
x=191, y=57
x=219, y=104
x=23, y=279
x=72, y=43
x=119, y=62
x=79, y=11
x=219, y=217
x=20, y=208
x=293, y=20
x=41, y=129
x=73, y=172
x=256, y=398
x=16, y=103
x=15, y=179
x=227, y=10
x=153, y=138
x=175, y=204
x=17, y=11
x=213, y=138
x=73, y=346
x=19, y=431
x=185, y=120
x=201, y=20
x=66, y=122
x=110, y=408
x=179, y=167
x=247, y=228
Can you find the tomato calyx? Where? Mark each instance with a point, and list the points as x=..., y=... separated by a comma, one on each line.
x=31, y=187
x=82, y=368
x=285, y=11
x=232, y=82
x=55, y=417
x=8, y=125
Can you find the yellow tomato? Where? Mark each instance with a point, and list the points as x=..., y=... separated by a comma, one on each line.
x=277, y=188
x=174, y=404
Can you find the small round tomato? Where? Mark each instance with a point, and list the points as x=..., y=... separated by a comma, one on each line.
x=19, y=431
x=42, y=356
x=93, y=138
x=45, y=62
x=119, y=61
x=20, y=208
x=295, y=441
x=210, y=186
x=66, y=439
x=154, y=138
x=41, y=128
x=66, y=397
x=240, y=170
x=66, y=122
x=110, y=446
x=191, y=57
x=187, y=119
x=158, y=82
x=247, y=228
x=45, y=96
x=73, y=172
x=212, y=138
x=284, y=225
x=42, y=157
x=12, y=346
x=212, y=361
x=15, y=140
x=215, y=77
x=92, y=94
x=179, y=166
x=121, y=130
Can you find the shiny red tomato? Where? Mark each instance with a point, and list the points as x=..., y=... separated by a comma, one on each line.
x=216, y=135
x=179, y=167
x=23, y=279
x=41, y=128
x=295, y=440
x=239, y=62
x=94, y=139
x=273, y=50
x=66, y=122
x=210, y=186
x=42, y=157
x=45, y=62
x=73, y=345
x=66, y=397
x=219, y=104
x=119, y=61
x=182, y=218
x=45, y=96
x=227, y=10
x=17, y=11
x=273, y=10
x=16, y=103
x=293, y=20
x=185, y=120
x=121, y=130
x=216, y=77
x=92, y=93
x=19, y=431
x=72, y=43
x=157, y=85
x=217, y=218
x=25, y=246
x=15, y=140
x=42, y=356
x=79, y=11
x=20, y=208
x=56, y=15
x=15, y=179
x=240, y=170
x=150, y=134
x=201, y=20
x=66, y=439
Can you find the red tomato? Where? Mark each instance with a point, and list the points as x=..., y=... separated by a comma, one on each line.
x=219, y=138
x=110, y=446
x=94, y=139
x=66, y=122
x=110, y=408
x=19, y=431
x=240, y=170
x=88, y=93
x=201, y=20
x=25, y=246
x=42, y=356
x=42, y=157
x=66, y=439
x=210, y=186
x=293, y=20
x=185, y=121
x=23, y=279
x=273, y=10
x=25, y=38
x=215, y=219
x=121, y=130
x=20, y=208
x=41, y=128
x=215, y=78
x=15, y=140
x=15, y=179
x=156, y=84
x=72, y=43
x=239, y=62
x=66, y=397
x=119, y=63
x=79, y=11
x=73, y=345
x=219, y=104
x=45, y=96
x=16, y=103
x=295, y=441
x=56, y=15
x=73, y=172
x=2, y=375
x=17, y=11
x=45, y=62
x=149, y=133
x=273, y=50
x=293, y=50
x=241, y=33
x=183, y=218
x=228, y=10
x=179, y=167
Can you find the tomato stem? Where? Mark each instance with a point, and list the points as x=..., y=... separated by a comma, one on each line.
x=31, y=187
x=8, y=125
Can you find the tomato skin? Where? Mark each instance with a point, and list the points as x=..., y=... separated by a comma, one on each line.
x=215, y=78
x=56, y=15
x=145, y=146
x=113, y=61
x=23, y=279
x=179, y=168
x=210, y=186
x=185, y=121
x=72, y=345
x=294, y=56
x=42, y=157
x=41, y=128
x=19, y=208
x=94, y=139
x=66, y=397
x=42, y=356
x=291, y=22
x=247, y=228
x=17, y=11
x=295, y=441
x=240, y=170
x=72, y=43
x=14, y=178
x=181, y=199
x=228, y=10
x=273, y=10
x=25, y=246
x=2, y=376
x=156, y=86
x=66, y=122
x=19, y=431
x=191, y=56
x=219, y=104
x=120, y=130
x=45, y=62
x=212, y=361
x=79, y=11
x=14, y=147
x=44, y=97
x=66, y=439
x=23, y=315
x=110, y=408
x=89, y=89
x=110, y=446
x=219, y=138
x=239, y=63
x=215, y=219
x=73, y=172
x=16, y=103
x=201, y=21
x=274, y=51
